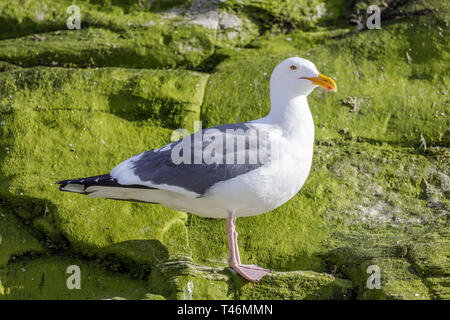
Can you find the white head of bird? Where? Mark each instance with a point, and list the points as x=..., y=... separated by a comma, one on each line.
x=298, y=77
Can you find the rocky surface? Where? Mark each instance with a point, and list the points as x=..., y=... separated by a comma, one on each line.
x=75, y=103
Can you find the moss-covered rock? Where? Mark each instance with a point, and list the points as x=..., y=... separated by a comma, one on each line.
x=31, y=17
x=108, y=36
x=290, y=14
x=155, y=48
x=298, y=285
x=48, y=120
x=15, y=239
x=196, y=281
x=366, y=67
x=48, y=277
x=377, y=194
x=393, y=9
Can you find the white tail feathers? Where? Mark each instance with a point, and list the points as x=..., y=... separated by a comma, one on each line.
x=73, y=187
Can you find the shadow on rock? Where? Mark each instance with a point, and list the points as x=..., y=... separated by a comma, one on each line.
x=135, y=256
x=134, y=108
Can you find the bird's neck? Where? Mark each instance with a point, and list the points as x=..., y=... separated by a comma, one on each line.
x=292, y=115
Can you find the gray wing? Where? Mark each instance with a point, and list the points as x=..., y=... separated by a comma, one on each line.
x=157, y=167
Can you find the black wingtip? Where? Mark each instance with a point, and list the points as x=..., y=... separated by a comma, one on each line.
x=63, y=183
x=104, y=180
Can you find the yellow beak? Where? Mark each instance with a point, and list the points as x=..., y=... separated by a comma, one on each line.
x=323, y=81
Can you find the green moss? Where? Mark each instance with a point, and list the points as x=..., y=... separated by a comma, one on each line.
x=197, y=282
x=392, y=254
x=297, y=285
x=164, y=98
x=410, y=289
x=48, y=228
x=367, y=173
x=377, y=193
x=287, y=15
x=290, y=244
x=158, y=47
x=46, y=278
x=431, y=259
x=15, y=239
x=55, y=127
x=398, y=281
x=371, y=66
x=397, y=9
x=31, y=17
x=5, y=66
x=439, y=288
x=110, y=35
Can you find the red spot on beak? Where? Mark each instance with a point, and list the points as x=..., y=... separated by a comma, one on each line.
x=330, y=88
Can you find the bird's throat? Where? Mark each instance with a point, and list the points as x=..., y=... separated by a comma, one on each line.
x=292, y=115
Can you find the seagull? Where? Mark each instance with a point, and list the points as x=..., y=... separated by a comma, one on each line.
x=231, y=170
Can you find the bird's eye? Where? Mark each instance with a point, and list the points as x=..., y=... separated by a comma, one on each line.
x=293, y=67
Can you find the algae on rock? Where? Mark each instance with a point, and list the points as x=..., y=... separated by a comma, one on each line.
x=75, y=103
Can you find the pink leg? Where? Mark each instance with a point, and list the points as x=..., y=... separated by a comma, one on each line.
x=250, y=272
x=236, y=248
